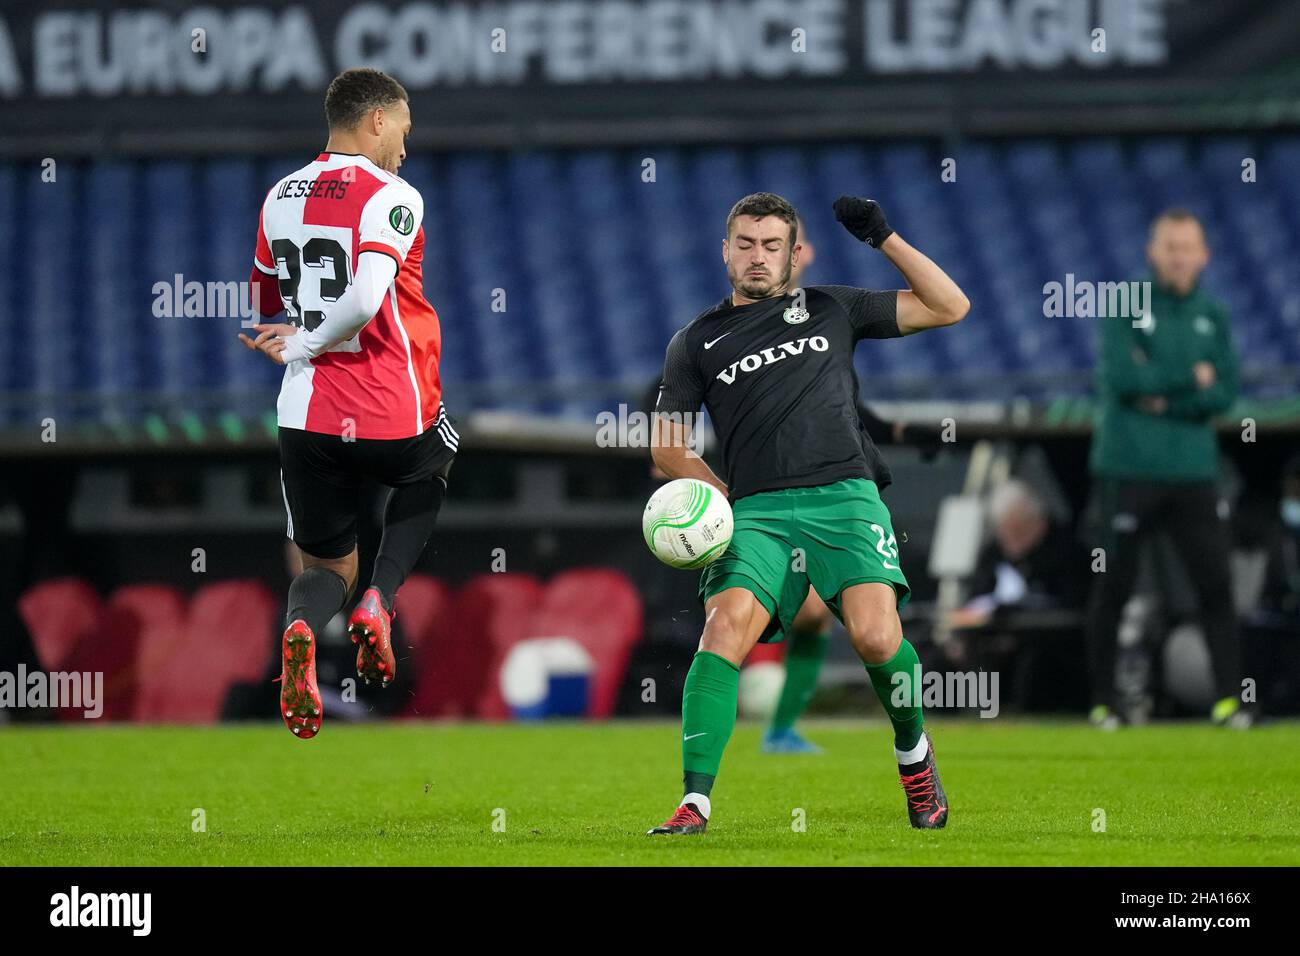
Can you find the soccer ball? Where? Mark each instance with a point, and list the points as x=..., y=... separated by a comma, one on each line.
x=687, y=523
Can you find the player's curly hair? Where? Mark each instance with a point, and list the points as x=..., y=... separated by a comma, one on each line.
x=766, y=204
x=354, y=94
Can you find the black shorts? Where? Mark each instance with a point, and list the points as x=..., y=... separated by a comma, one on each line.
x=321, y=476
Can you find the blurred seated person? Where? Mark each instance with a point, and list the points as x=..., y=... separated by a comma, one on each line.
x=1032, y=562
x=1280, y=601
x=1272, y=620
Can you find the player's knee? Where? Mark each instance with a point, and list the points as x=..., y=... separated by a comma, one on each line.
x=874, y=640
x=345, y=568
x=723, y=635
x=348, y=576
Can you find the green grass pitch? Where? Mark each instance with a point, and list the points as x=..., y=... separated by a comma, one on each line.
x=1021, y=793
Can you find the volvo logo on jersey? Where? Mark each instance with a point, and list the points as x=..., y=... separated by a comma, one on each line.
x=776, y=353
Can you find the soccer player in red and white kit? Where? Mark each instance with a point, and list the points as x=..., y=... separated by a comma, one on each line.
x=340, y=250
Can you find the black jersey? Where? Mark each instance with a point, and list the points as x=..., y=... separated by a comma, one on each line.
x=779, y=384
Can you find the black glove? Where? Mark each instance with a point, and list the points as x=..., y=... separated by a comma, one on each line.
x=864, y=218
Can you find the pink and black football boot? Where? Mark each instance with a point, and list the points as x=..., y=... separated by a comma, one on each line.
x=687, y=820
x=300, y=704
x=927, y=804
x=370, y=628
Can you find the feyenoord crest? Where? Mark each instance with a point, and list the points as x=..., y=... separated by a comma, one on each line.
x=795, y=314
x=402, y=220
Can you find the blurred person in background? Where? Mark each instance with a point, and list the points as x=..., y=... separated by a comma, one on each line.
x=1162, y=378
x=1024, y=616
x=1280, y=601
x=1268, y=536
x=1031, y=563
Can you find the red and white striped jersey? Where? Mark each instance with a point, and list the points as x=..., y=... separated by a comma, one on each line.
x=315, y=222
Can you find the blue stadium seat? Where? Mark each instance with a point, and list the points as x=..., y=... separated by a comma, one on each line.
x=597, y=264
x=116, y=283
x=12, y=345
x=175, y=243
x=51, y=279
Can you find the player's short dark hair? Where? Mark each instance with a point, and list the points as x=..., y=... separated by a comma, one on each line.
x=1175, y=214
x=766, y=204
x=355, y=94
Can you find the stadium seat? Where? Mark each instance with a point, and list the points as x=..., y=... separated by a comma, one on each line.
x=423, y=601
x=601, y=610
x=52, y=374
x=11, y=380
x=228, y=639
x=112, y=367
x=109, y=650
x=489, y=616
x=590, y=306
x=228, y=255
x=160, y=612
x=446, y=675
x=59, y=614
x=230, y=619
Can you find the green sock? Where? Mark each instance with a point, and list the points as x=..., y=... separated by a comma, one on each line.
x=803, y=662
x=708, y=717
x=907, y=719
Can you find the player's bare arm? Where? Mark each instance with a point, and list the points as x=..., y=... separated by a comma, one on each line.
x=669, y=446
x=934, y=300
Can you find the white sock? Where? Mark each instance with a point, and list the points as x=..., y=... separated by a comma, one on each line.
x=701, y=803
x=915, y=755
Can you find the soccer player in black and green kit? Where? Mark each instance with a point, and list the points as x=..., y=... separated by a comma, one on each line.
x=807, y=639
x=774, y=368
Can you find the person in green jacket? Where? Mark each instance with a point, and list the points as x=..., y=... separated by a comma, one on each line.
x=1162, y=377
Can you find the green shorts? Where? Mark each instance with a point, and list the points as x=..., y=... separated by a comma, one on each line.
x=829, y=536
